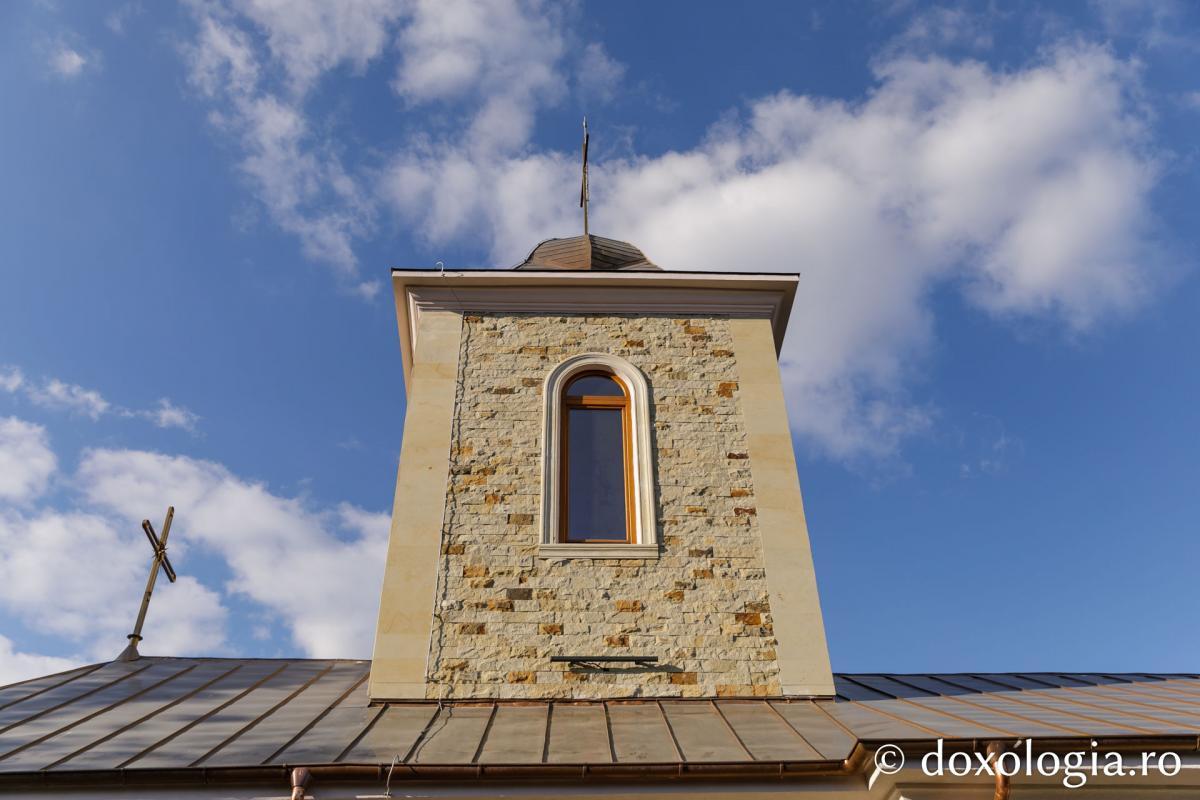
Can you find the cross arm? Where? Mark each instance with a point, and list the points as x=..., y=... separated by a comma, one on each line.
x=160, y=549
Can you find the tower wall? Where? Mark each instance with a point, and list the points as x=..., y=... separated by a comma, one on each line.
x=475, y=604
x=702, y=607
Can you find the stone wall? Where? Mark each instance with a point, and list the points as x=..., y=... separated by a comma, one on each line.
x=702, y=607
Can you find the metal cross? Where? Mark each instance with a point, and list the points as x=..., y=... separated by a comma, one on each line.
x=159, y=546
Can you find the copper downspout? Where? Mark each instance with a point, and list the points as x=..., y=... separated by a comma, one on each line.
x=1003, y=790
x=301, y=776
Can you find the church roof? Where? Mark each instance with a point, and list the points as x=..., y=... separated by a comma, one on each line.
x=192, y=719
x=587, y=252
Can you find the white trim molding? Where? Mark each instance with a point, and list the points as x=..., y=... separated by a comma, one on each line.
x=645, y=544
x=734, y=295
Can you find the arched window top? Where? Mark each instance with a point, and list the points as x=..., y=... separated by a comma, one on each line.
x=595, y=384
x=597, y=493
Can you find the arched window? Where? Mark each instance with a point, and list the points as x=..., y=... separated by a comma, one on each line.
x=597, y=472
x=596, y=466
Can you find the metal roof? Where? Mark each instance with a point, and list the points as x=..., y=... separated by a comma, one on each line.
x=587, y=253
x=197, y=713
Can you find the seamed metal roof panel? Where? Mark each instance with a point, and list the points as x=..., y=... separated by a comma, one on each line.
x=209, y=734
x=640, y=733
x=1099, y=721
x=128, y=744
x=176, y=713
x=947, y=718
x=516, y=735
x=334, y=733
x=586, y=252
x=66, y=693
x=870, y=724
x=1028, y=719
x=394, y=734
x=106, y=724
x=979, y=683
x=894, y=686
x=279, y=727
x=935, y=687
x=578, y=734
x=1177, y=715
x=702, y=733
x=455, y=736
x=763, y=732
x=848, y=688
x=1163, y=693
x=1189, y=688
x=1010, y=681
x=52, y=721
x=16, y=692
x=831, y=741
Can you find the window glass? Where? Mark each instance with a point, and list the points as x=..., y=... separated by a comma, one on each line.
x=595, y=480
x=595, y=386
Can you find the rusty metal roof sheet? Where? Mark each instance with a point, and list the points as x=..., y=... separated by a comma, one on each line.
x=181, y=713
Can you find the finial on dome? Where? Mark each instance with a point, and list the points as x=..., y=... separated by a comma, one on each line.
x=587, y=252
x=583, y=189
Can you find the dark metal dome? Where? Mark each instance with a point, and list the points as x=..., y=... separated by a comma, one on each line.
x=587, y=253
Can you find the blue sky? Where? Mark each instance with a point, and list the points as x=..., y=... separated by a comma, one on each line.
x=991, y=369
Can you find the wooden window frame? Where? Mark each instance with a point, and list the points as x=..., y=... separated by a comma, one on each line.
x=644, y=543
x=624, y=403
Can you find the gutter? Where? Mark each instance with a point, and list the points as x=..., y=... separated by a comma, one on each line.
x=315, y=775
x=859, y=762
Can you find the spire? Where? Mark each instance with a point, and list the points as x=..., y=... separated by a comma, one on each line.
x=586, y=252
x=583, y=188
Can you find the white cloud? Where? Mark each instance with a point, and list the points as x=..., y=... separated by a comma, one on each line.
x=295, y=173
x=600, y=74
x=309, y=37
x=119, y=17
x=936, y=28
x=169, y=415
x=1029, y=189
x=67, y=62
x=16, y=666
x=59, y=395
x=308, y=192
x=988, y=447
x=26, y=460
x=318, y=570
x=500, y=56
x=1153, y=24
x=315, y=571
x=11, y=379
x=221, y=59
x=49, y=580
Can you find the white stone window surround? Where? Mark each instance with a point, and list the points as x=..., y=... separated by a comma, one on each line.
x=645, y=544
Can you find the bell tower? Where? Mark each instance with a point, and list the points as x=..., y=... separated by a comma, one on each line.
x=597, y=494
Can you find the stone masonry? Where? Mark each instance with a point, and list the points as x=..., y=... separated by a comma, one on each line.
x=702, y=607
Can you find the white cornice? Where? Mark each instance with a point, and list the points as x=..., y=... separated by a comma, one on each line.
x=682, y=294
